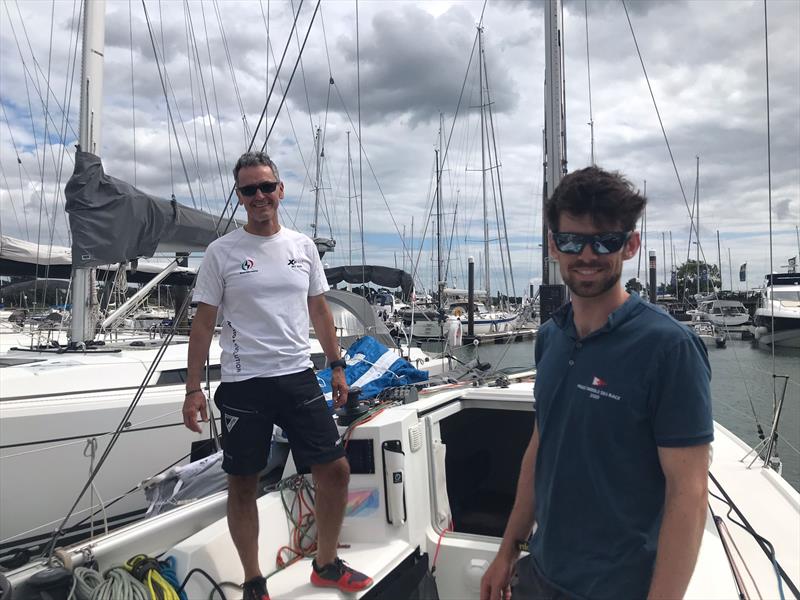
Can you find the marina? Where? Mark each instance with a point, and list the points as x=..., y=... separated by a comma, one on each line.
x=441, y=410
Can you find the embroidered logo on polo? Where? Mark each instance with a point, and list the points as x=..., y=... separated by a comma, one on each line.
x=248, y=266
x=596, y=391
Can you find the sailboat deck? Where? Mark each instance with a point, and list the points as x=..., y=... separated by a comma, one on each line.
x=777, y=512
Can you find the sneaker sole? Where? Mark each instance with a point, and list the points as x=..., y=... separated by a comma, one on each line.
x=319, y=582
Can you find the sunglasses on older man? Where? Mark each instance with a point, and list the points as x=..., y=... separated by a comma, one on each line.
x=265, y=187
x=601, y=243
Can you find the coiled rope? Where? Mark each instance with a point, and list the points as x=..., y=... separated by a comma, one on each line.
x=147, y=570
x=118, y=584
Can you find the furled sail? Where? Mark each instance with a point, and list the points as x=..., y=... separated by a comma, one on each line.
x=111, y=221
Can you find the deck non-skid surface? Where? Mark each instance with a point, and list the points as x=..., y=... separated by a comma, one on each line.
x=375, y=560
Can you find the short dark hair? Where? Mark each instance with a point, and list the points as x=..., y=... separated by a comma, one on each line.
x=608, y=197
x=254, y=159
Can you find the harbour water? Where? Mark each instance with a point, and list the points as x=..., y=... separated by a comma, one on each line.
x=741, y=385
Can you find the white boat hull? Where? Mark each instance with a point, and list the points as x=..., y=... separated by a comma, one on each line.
x=50, y=439
x=383, y=529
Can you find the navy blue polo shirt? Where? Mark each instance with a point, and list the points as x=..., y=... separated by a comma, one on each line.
x=604, y=404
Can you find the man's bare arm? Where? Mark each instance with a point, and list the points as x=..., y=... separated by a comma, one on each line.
x=685, y=510
x=199, y=342
x=325, y=330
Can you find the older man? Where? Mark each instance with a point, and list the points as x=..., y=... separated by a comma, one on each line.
x=268, y=281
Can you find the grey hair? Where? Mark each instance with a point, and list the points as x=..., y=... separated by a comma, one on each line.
x=255, y=159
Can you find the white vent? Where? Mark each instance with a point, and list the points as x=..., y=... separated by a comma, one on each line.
x=415, y=437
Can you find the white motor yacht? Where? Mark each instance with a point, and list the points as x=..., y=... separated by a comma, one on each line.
x=777, y=318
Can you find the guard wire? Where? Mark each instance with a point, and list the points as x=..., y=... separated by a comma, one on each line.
x=765, y=544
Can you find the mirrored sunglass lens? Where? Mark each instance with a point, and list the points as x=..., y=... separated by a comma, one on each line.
x=569, y=244
x=266, y=187
x=608, y=244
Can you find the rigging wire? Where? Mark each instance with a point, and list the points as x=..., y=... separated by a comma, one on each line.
x=283, y=98
x=661, y=123
x=268, y=47
x=237, y=91
x=589, y=81
x=223, y=187
x=162, y=77
x=133, y=89
x=169, y=135
x=20, y=168
x=11, y=198
x=765, y=544
x=206, y=115
x=769, y=199
x=504, y=236
x=360, y=144
x=305, y=83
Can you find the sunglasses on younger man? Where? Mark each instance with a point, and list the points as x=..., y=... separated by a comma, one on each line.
x=265, y=187
x=601, y=243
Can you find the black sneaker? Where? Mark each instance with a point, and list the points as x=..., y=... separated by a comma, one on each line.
x=255, y=589
x=339, y=575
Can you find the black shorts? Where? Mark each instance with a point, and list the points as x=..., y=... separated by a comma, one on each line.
x=528, y=584
x=294, y=402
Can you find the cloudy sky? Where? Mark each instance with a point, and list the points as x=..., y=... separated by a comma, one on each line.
x=418, y=66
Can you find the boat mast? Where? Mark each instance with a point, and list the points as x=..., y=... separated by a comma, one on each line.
x=83, y=296
x=349, y=207
x=439, y=269
x=316, y=184
x=697, y=221
x=483, y=170
x=555, y=127
x=719, y=260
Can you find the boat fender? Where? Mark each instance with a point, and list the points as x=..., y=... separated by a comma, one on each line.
x=52, y=583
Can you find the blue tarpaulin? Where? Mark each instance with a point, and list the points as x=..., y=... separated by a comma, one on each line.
x=372, y=367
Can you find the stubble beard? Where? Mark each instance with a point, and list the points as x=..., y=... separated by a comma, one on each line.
x=590, y=289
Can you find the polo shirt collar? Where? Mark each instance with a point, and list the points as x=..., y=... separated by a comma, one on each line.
x=563, y=317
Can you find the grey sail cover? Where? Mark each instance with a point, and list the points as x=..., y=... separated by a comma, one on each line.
x=111, y=221
x=385, y=276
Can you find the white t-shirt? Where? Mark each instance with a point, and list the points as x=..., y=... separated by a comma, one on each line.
x=261, y=285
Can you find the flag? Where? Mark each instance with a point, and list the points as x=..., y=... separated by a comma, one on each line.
x=743, y=272
x=793, y=264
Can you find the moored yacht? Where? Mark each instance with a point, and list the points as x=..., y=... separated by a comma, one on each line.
x=777, y=318
x=722, y=313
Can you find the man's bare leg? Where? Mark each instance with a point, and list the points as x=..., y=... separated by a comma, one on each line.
x=331, y=480
x=243, y=521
